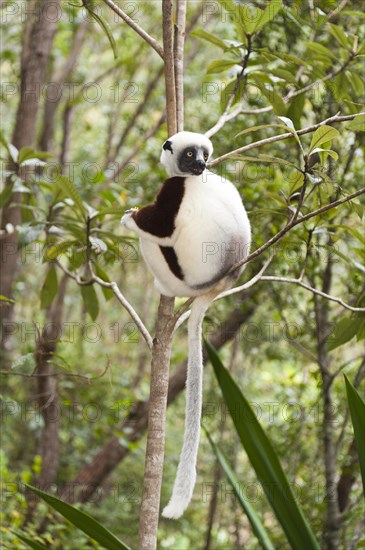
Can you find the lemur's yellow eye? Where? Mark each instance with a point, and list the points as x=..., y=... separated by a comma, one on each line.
x=189, y=154
x=206, y=156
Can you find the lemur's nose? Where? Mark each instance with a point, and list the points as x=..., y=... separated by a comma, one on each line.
x=200, y=164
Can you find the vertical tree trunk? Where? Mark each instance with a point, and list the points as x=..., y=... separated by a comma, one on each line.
x=152, y=481
x=53, y=99
x=332, y=526
x=37, y=42
x=48, y=400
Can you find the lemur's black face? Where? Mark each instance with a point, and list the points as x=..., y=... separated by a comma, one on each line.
x=192, y=160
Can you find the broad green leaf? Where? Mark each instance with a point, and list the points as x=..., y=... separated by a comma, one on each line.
x=274, y=99
x=201, y=33
x=295, y=109
x=357, y=124
x=289, y=123
x=264, y=460
x=220, y=65
x=357, y=412
x=91, y=301
x=30, y=542
x=256, y=523
x=339, y=34
x=230, y=89
x=329, y=152
x=26, y=153
x=321, y=135
x=344, y=330
x=108, y=293
x=82, y=521
x=69, y=188
x=357, y=82
x=321, y=50
x=285, y=75
x=49, y=288
x=249, y=17
x=6, y=194
x=267, y=14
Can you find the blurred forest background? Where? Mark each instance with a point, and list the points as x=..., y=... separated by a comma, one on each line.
x=83, y=121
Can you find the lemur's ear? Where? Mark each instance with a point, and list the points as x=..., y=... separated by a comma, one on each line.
x=167, y=146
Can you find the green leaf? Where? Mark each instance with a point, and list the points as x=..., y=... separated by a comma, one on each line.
x=295, y=109
x=267, y=14
x=274, y=99
x=356, y=81
x=49, y=288
x=256, y=523
x=220, y=65
x=357, y=124
x=6, y=194
x=69, y=188
x=321, y=50
x=264, y=460
x=344, y=330
x=108, y=293
x=201, y=33
x=321, y=135
x=106, y=28
x=91, y=301
x=329, y=152
x=339, y=34
x=82, y=521
x=290, y=125
x=30, y=542
x=357, y=412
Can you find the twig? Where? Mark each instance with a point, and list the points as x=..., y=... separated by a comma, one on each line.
x=114, y=287
x=170, y=87
x=149, y=39
x=87, y=379
x=182, y=315
x=281, y=137
x=313, y=290
x=292, y=224
x=179, y=62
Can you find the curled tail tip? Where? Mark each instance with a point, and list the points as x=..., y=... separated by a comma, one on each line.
x=174, y=509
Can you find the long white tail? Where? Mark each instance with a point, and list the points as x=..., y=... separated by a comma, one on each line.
x=186, y=471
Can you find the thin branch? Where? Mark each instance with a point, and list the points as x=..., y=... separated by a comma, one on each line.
x=149, y=39
x=182, y=315
x=136, y=318
x=87, y=379
x=281, y=137
x=141, y=143
x=313, y=290
x=114, y=287
x=292, y=224
x=179, y=61
x=168, y=44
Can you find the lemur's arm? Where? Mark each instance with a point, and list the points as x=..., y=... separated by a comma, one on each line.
x=156, y=222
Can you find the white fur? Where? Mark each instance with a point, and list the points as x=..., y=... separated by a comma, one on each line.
x=212, y=233
x=211, y=222
x=180, y=141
